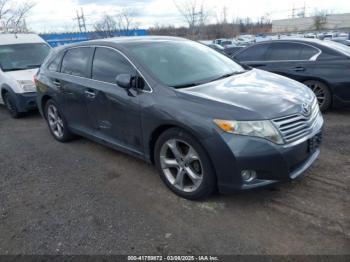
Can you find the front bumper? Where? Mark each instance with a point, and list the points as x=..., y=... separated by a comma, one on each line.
x=273, y=163
x=26, y=101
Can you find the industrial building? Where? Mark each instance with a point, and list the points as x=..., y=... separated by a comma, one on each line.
x=302, y=24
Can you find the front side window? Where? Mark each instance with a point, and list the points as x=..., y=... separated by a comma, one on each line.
x=22, y=56
x=182, y=63
x=253, y=53
x=77, y=61
x=108, y=63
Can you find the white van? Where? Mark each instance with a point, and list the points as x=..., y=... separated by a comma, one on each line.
x=20, y=57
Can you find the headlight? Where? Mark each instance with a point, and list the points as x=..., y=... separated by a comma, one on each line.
x=264, y=129
x=27, y=86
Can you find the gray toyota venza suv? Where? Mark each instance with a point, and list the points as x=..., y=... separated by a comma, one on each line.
x=205, y=121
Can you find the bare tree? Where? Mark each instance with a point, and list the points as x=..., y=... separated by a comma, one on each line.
x=194, y=14
x=125, y=20
x=13, y=16
x=320, y=19
x=107, y=24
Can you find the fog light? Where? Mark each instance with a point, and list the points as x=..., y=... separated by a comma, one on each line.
x=248, y=175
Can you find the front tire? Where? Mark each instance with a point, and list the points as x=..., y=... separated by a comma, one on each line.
x=184, y=165
x=322, y=93
x=11, y=106
x=56, y=122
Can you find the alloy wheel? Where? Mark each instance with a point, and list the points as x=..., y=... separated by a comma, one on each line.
x=319, y=92
x=181, y=165
x=55, y=121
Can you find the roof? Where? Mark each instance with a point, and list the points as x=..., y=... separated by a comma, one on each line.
x=11, y=39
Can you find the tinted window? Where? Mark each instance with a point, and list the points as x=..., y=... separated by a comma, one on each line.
x=22, y=56
x=54, y=65
x=108, y=64
x=290, y=51
x=307, y=52
x=77, y=62
x=253, y=53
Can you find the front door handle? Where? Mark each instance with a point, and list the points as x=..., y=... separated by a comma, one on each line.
x=90, y=94
x=298, y=69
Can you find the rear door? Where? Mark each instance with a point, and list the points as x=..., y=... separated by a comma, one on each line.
x=114, y=111
x=293, y=60
x=75, y=76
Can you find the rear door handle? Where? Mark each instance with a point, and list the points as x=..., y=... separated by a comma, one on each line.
x=90, y=94
x=298, y=69
x=56, y=83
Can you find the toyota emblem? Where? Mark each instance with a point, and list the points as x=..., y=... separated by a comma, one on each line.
x=306, y=109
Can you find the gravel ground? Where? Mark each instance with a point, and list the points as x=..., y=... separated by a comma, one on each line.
x=83, y=198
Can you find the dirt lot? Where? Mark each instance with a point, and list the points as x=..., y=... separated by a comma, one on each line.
x=83, y=198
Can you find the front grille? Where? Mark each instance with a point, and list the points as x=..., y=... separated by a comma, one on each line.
x=294, y=127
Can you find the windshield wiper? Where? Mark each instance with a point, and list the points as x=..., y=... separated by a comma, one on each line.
x=33, y=66
x=14, y=69
x=186, y=85
x=227, y=75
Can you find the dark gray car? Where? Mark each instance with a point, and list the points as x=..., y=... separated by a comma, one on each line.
x=205, y=121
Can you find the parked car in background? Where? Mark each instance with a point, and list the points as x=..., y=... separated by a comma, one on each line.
x=217, y=47
x=322, y=65
x=20, y=57
x=205, y=121
x=342, y=41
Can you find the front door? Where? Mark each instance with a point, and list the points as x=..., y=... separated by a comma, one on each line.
x=114, y=111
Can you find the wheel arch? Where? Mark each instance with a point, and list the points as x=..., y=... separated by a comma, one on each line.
x=156, y=133
x=43, y=102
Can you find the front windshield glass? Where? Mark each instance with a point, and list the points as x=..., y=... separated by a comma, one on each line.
x=338, y=47
x=183, y=63
x=22, y=56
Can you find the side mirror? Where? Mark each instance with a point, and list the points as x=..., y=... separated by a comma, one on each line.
x=124, y=80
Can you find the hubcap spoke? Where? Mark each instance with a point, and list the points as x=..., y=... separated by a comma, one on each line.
x=192, y=175
x=167, y=162
x=173, y=147
x=179, y=181
x=190, y=156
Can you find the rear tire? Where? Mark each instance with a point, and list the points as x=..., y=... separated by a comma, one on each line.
x=322, y=92
x=11, y=105
x=183, y=165
x=56, y=122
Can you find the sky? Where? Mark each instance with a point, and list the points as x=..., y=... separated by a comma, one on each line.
x=58, y=15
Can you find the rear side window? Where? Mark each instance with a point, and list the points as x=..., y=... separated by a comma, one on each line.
x=290, y=51
x=284, y=51
x=253, y=53
x=77, y=61
x=108, y=63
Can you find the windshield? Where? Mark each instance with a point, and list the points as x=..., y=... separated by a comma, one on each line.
x=22, y=56
x=183, y=63
x=338, y=47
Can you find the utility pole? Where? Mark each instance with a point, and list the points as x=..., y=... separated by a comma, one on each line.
x=81, y=21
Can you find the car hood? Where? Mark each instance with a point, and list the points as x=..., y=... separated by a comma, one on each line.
x=259, y=94
x=22, y=74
